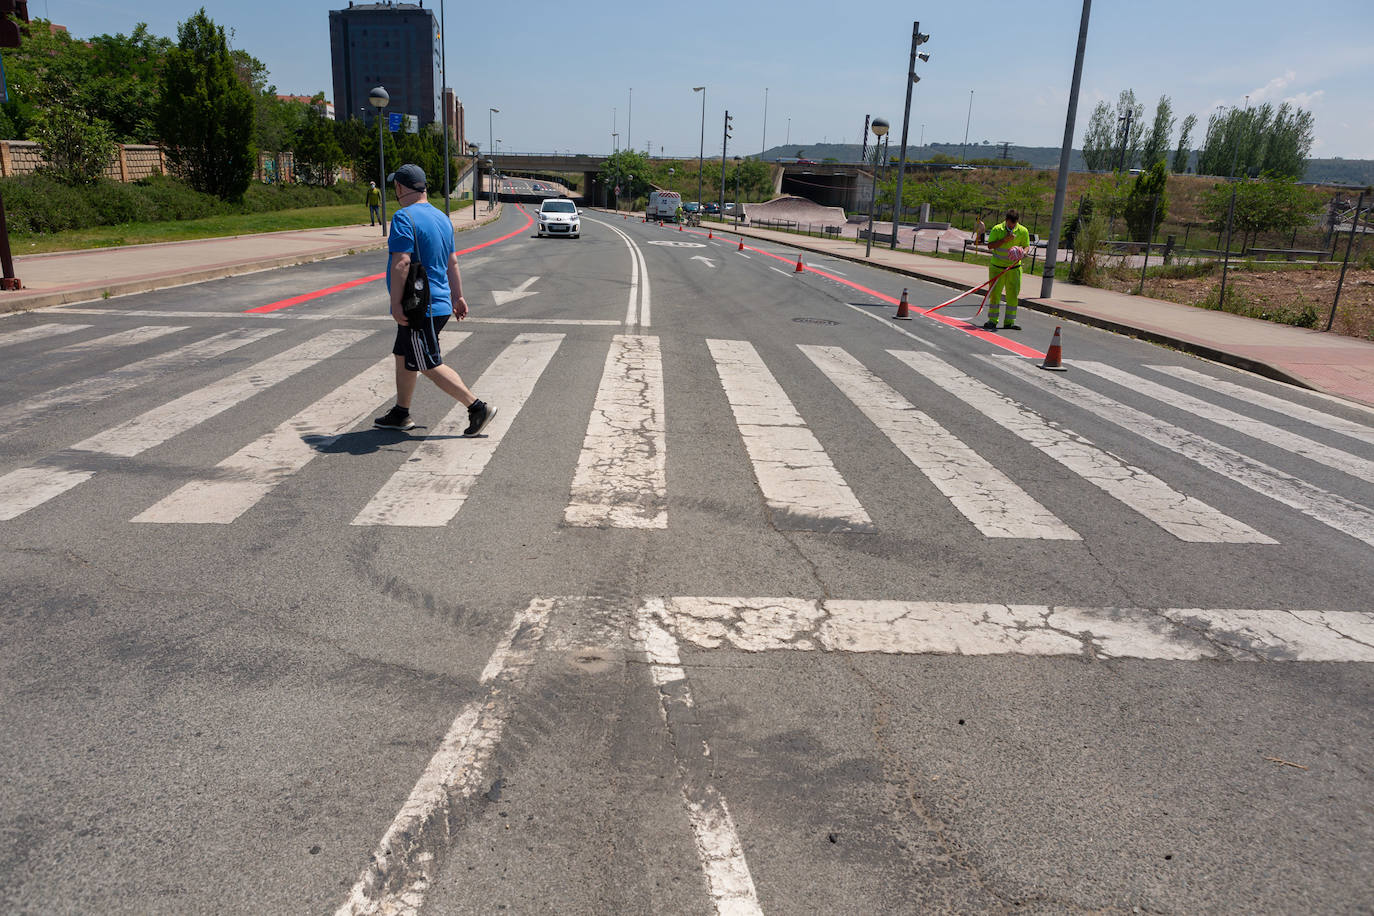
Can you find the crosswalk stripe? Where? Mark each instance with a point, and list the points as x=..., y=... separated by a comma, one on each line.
x=1185, y=517
x=1256, y=429
x=38, y=332
x=25, y=488
x=162, y=423
x=1328, y=508
x=988, y=498
x=430, y=489
x=797, y=477
x=99, y=387
x=621, y=476
x=949, y=628
x=1288, y=408
x=129, y=338
x=245, y=477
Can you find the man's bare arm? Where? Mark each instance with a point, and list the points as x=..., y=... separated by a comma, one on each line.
x=400, y=267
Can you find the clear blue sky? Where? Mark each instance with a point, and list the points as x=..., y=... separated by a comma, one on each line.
x=556, y=70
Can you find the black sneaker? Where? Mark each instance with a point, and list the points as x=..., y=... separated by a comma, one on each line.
x=989, y=325
x=395, y=418
x=1011, y=327
x=479, y=415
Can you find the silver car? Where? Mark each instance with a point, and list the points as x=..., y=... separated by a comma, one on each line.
x=559, y=217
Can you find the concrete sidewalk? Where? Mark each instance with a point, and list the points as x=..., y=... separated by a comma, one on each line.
x=96, y=273
x=1330, y=363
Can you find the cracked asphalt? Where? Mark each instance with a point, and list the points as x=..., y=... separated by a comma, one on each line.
x=906, y=716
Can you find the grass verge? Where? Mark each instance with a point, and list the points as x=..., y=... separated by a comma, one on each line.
x=228, y=224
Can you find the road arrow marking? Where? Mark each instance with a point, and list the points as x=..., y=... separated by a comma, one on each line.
x=707, y=261
x=502, y=296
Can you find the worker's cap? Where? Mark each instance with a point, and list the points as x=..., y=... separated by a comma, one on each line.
x=409, y=176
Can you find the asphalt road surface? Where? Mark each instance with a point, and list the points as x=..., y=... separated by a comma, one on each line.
x=751, y=599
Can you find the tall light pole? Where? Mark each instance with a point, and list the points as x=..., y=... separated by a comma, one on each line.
x=738, y=206
x=787, y=141
x=443, y=97
x=967, y=121
x=764, y=148
x=1061, y=184
x=725, y=141
x=476, y=177
x=917, y=39
x=630, y=121
x=879, y=128
x=701, y=152
x=615, y=143
x=379, y=98
x=491, y=151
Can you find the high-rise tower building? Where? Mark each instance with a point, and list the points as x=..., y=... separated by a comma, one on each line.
x=394, y=45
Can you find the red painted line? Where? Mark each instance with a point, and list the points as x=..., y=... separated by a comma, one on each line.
x=306, y=297
x=991, y=337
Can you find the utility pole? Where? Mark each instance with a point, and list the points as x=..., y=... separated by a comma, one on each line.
x=1125, y=136
x=765, y=128
x=917, y=39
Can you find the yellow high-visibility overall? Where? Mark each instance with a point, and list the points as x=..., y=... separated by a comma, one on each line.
x=1010, y=283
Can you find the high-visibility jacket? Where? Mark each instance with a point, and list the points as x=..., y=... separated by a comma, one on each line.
x=1021, y=239
x=374, y=197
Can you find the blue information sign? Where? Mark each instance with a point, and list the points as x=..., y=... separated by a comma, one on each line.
x=393, y=121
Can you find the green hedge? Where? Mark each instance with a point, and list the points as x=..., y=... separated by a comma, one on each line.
x=35, y=204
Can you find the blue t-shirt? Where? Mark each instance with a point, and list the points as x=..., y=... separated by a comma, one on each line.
x=427, y=224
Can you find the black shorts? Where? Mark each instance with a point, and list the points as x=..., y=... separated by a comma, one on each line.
x=420, y=344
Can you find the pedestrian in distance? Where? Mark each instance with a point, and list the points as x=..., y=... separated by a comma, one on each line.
x=421, y=231
x=374, y=204
x=1008, y=241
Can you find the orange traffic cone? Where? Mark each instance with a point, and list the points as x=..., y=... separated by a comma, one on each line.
x=800, y=267
x=1054, y=358
x=741, y=244
x=710, y=234
x=903, y=309
x=679, y=227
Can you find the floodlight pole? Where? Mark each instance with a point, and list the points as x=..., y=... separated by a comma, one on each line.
x=1061, y=184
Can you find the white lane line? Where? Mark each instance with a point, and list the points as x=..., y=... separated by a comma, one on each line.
x=128, y=338
x=1255, y=429
x=892, y=327
x=245, y=477
x=38, y=332
x=1344, y=427
x=948, y=628
x=780, y=271
x=797, y=477
x=1185, y=517
x=316, y=315
x=989, y=499
x=432, y=486
x=572, y=322
x=25, y=488
x=162, y=423
x=637, y=312
x=743, y=255
x=408, y=857
x=621, y=479
x=717, y=840
x=1328, y=508
x=98, y=388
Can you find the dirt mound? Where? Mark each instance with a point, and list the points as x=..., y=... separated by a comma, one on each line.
x=795, y=210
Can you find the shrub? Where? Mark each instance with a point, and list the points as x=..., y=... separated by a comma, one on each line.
x=1087, y=252
x=38, y=204
x=174, y=199
x=116, y=203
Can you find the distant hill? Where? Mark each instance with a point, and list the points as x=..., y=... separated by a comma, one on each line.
x=1319, y=171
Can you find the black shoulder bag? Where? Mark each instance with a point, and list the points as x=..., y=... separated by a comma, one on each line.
x=415, y=296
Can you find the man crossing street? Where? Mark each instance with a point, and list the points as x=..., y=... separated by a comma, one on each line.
x=1008, y=241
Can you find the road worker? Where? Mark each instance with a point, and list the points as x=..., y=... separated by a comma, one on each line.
x=1008, y=241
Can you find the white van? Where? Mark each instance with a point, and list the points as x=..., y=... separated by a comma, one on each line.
x=663, y=204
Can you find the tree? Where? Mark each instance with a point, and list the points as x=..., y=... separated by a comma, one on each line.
x=1255, y=141
x=1026, y=195
x=1147, y=203
x=1271, y=204
x=1097, y=139
x=1156, y=143
x=76, y=147
x=205, y=113
x=617, y=169
x=317, y=149
x=1185, y=136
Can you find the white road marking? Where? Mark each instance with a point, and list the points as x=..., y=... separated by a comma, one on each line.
x=797, y=477
x=411, y=850
x=503, y=296
x=25, y=488
x=785, y=273
x=38, y=332
x=637, y=312
x=1185, y=517
x=892, y=327
x=1328, y=508
x=286, y=314
x=743, y=255
x=621, y=477
x=1344, y=427
x=432, y=486
x=245, y=477
x=162, y=423
x=948, y=628
x=989, y=499
x=128, y=338
x=98, y=388
x=1255, y=429
x=717, y=840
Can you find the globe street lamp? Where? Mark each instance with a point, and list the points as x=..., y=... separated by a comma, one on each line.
x=476, y=177
x=879, y=128
x=379, y=98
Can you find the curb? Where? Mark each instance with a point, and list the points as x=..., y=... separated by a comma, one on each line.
x=149, y=284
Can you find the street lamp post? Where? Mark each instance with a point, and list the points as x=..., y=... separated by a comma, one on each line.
x=491, y=151
x=764, y=150
x=476, y=177
x=737, y=203
x=879, y=128
x=379, y=98
x=917, y=39
x=701, y=152
x=1061, y=184
x=443, y=97
x=967, y=120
